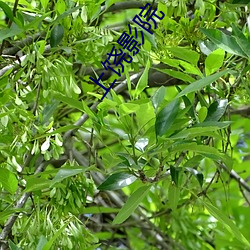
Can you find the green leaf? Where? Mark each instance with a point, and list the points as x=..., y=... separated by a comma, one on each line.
x=117, y=181
x=177, y=74
x=98, y=210
x=197, y=85
x=173, y=196
x=35, y=184
x=244, y=45
x=66, y=172
x=227, y=223
x=186, y=54
x=56, y=35
x=8, y=180
x=158, y=97
x=216, y=110
x=128, y=108
x=214, y=61
x=9, y=211
x=198, y=175
x=166, y=117
x=202, y=114
x=143, y=81
x=44, y=3
x=219, y=125
x=70, y=101
x=13, y=246
x=41, y=243
x=132, y=203
x=223, y=41
x=7, y=10
x=49, y=110
x=49, y=244
x=193, y=132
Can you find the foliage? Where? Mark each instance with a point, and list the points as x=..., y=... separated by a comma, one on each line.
x=160, y=163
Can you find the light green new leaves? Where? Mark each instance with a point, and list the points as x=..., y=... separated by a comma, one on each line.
x=49, y=244
x=197, y=85
x=8, y=180
x=214, y=61
x=132, y=203
x=186, y=54
x=228, y=224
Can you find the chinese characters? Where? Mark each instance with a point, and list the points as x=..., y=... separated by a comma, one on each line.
x=128, y=42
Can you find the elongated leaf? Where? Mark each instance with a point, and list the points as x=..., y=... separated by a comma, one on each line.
x=49, y=244
x=186, y=54
x=204, y=150
x=64, y=173
x=98, y=210
x=13, y=246
x=9, y=32
x=197, y=85
x=173, y=196
x=132, y=203
x=8, y=180
x=166, y=117
x=56, y=35
x=9, y=211
x=34, y=184
x=143, y=81
x=117, y=181
x=177, y=74
x=7, y=10
x=70, y=101
x=244, y=2
x=41, y=243
x=223, y=41
x=193, y=132
x=216, y=110
x=219, y=125
x=228, y=224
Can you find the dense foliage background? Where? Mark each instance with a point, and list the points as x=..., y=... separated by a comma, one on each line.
x=161, y=163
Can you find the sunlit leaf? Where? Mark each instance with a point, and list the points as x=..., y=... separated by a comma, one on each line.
x=214, y=61
x=8, y=180
x=117, y=181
